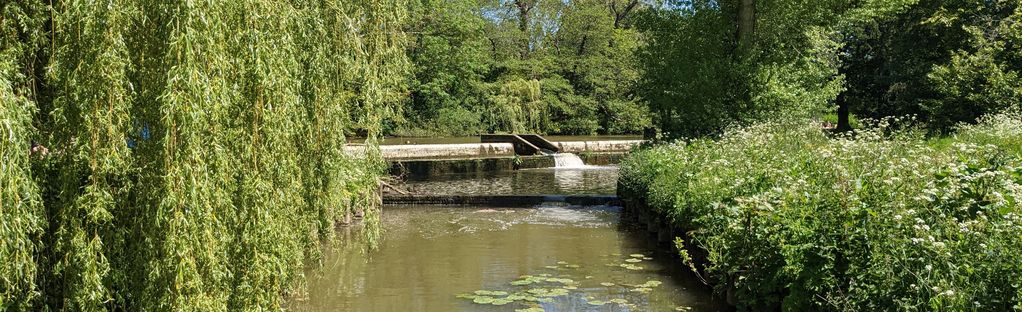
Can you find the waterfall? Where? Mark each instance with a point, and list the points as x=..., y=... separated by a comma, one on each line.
x=568, y=160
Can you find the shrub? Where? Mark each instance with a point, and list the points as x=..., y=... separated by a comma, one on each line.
x=792, y=218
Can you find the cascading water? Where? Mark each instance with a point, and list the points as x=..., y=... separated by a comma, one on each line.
x=568, y=160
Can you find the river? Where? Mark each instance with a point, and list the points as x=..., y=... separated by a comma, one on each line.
x=552, y=257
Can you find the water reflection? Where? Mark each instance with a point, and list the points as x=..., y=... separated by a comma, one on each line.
x=428, y=255
x=592, y=180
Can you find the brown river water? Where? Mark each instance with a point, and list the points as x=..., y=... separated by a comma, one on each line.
x=552, y=257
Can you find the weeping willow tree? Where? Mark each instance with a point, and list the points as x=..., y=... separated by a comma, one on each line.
x=21, y=214
x=517, y=108
x=197, y=147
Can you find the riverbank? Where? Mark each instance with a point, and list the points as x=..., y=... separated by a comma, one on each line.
x=785, y=216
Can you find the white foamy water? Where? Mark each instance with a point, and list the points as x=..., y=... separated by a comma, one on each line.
x=568, y=160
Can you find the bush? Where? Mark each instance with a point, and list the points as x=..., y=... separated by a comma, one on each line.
x=792, y=218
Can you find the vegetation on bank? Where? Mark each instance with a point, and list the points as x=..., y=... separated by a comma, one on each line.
x=184, y=155
x=792, y=217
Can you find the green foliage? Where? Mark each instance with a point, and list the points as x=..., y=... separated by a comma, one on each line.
x=697, y=80
x=472, y=58
x=516, y=107
x=983, y=77
x=90, y=116
x=792, y=218
x=21, y=211
x=947, y=61
x=196, y=149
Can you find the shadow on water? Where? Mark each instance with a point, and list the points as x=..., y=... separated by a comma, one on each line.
x=600, y=180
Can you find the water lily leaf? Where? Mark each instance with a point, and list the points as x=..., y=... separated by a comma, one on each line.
x=530, y=309
x=495, y=293
x=552, y=267
x=561, y=280
x=572, y=266
x=637, y=255
x=538, y=291
x=498, y=302
x=607, y=284
x=516, y=297
x=642, y=290
x=619, y=301
x=631, y=266
x=570, y=287
x=562, y=262
x=483, y=300
x=633, y=260
x=597, y=302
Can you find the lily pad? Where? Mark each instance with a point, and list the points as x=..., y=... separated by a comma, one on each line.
x=619, y=301
x=530, y=309
x=607, y=284
x=516, y=297
x=633, y=260
x=597, y=302
x=637, y=255
x=631, y=266
x=490, y=293
x=483, y=300
x=561, y=280
x=498, y=302
x=641, y=290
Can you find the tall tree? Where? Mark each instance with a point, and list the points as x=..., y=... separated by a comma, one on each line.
x=746, y=24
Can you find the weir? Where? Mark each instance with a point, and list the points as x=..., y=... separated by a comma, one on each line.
x=497, y=152
x=565, y=162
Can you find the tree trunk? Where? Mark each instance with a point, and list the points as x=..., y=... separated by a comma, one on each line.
x=746, y=24
x=524, y=9
x=842, y=116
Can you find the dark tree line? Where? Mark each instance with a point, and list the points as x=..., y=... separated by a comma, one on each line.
x=709, y=64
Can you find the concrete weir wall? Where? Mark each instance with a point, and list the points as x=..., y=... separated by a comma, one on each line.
x=485, y=150
x=579, y=147
x=421, y=160
x=440, y=151
x=417, y=168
